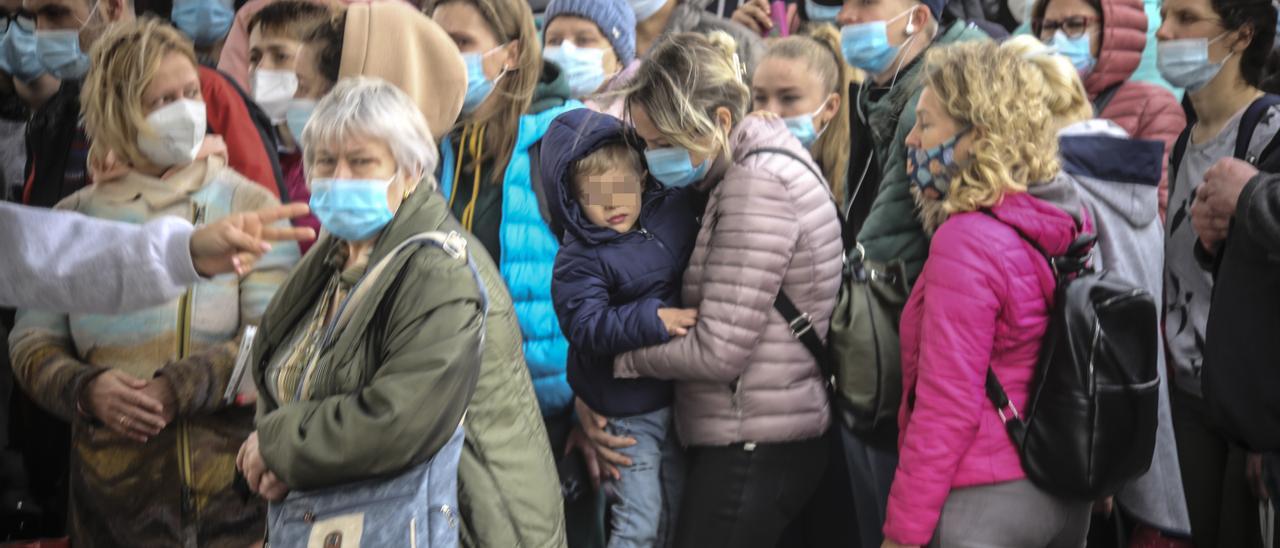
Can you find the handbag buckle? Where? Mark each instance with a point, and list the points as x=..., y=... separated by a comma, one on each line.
x=455, y=245
x=801, y=325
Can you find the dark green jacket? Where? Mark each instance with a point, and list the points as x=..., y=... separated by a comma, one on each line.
x=419, y=372
x=892, y=230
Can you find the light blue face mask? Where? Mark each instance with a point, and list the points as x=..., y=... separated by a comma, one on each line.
x=1185, y=63
x=866, y=45
x=60, y=55
x=1075, y=49
x=353, y=210
x=673, y=167
x=802, y=126
x=204, y=21
x=646, y=8
x=584, y=67
x=18, y=53
x=819, y=13
x=296, y=117
x=479, y=86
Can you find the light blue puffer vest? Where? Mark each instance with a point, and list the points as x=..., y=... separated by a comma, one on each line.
x=528, y=258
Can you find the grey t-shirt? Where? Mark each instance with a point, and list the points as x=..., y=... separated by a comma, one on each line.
x=1187, y=286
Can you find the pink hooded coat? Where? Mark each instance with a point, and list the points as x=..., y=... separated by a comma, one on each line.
x=741, y=376
x=982, y=299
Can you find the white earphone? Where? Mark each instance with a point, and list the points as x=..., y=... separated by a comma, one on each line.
x=911, y=26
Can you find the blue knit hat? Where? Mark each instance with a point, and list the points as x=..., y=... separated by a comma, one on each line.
x=614, y=17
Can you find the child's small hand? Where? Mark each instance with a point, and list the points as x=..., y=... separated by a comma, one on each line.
x=678, y=320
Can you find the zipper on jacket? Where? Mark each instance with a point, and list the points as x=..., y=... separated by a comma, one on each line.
x=651, y=236
x=186, y=472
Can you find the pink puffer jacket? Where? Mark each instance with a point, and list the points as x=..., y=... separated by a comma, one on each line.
x=1145, y=111
x=982, y=299
x=741, y=376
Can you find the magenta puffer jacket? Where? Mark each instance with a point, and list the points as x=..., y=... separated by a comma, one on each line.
x=740, y=375
x=982, y=299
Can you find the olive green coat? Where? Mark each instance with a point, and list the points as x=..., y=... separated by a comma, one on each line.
x=389, y=393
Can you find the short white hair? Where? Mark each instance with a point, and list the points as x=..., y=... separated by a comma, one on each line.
x=372, y=108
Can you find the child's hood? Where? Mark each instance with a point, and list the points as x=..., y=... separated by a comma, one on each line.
x=573, y=136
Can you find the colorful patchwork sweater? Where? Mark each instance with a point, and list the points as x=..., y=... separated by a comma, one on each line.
x=174, y=490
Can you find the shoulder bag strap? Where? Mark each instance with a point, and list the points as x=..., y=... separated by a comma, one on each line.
x=801, y=323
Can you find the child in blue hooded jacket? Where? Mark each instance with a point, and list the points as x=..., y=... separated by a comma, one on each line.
x=616, y=288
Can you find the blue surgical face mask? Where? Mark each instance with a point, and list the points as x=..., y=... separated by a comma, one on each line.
x=673, y=167
x=353, y=210
x=18, y=53
x=60, y=55
x=866, y=45
x=1076, y=49
x=584, y=67
x=204, y=21
x=296, y=117
x=646, y=8
x=802, y=126
x=819, y=13
x=59, y=51
x=933, y=167
x=479, y=86
x=1185, y=63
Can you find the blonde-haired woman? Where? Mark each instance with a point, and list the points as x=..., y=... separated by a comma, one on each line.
x=154, y=439
x=750, y=400
x=983, y=136
x=805, y=80
x=1117, y=178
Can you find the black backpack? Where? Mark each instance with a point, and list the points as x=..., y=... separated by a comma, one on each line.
x=1090, y=423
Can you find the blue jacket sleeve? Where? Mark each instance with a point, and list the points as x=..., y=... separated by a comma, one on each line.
x=580, y=289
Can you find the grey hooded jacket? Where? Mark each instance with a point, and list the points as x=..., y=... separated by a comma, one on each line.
x=1117, y=178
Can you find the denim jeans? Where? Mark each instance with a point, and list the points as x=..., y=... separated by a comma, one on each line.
x=643, y=501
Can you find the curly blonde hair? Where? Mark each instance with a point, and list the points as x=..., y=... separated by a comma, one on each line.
x=1067, y=98
x=123, y=62
x=686, y=78
x=1004, y=98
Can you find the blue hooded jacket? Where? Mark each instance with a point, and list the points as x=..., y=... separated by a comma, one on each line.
x=608, y=286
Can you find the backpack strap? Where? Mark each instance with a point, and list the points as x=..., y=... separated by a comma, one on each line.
x=1175, y=156
x=1249, y=122
x=801, y=323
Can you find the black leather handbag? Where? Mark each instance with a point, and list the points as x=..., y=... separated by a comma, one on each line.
x=1090, y=423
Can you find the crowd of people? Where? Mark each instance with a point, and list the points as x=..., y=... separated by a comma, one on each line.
x=638, y=273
